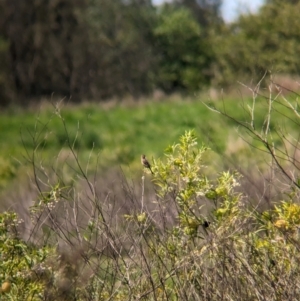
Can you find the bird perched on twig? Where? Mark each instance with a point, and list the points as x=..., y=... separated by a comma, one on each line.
x=146, y=163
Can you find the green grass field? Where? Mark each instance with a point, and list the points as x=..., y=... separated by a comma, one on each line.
x=115, y=135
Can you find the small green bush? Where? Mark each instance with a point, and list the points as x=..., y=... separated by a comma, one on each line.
x=25, y=266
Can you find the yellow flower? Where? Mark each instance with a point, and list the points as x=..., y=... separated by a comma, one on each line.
x=141, y=217
x=281, y=223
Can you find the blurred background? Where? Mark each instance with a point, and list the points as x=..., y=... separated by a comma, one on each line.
x=102, y=49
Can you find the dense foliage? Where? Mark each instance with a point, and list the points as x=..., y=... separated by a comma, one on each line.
x=101, y=49
x=268, y=41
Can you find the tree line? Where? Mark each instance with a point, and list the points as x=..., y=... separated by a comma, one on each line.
x=99, y=49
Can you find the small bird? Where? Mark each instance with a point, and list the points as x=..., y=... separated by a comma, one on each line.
x=146, y=163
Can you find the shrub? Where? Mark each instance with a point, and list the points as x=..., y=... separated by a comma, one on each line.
x=25, y=266
x=199, y=239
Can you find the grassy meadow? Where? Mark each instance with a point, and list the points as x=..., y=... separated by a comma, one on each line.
x=112, y=135
x=109, y=135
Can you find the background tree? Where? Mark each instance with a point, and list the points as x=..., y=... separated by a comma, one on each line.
x=207, y=12
x=96, y=49
x=43, y=39
x=99, y=49
x=184, y=54
x=120, y=50
x=268, y=40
